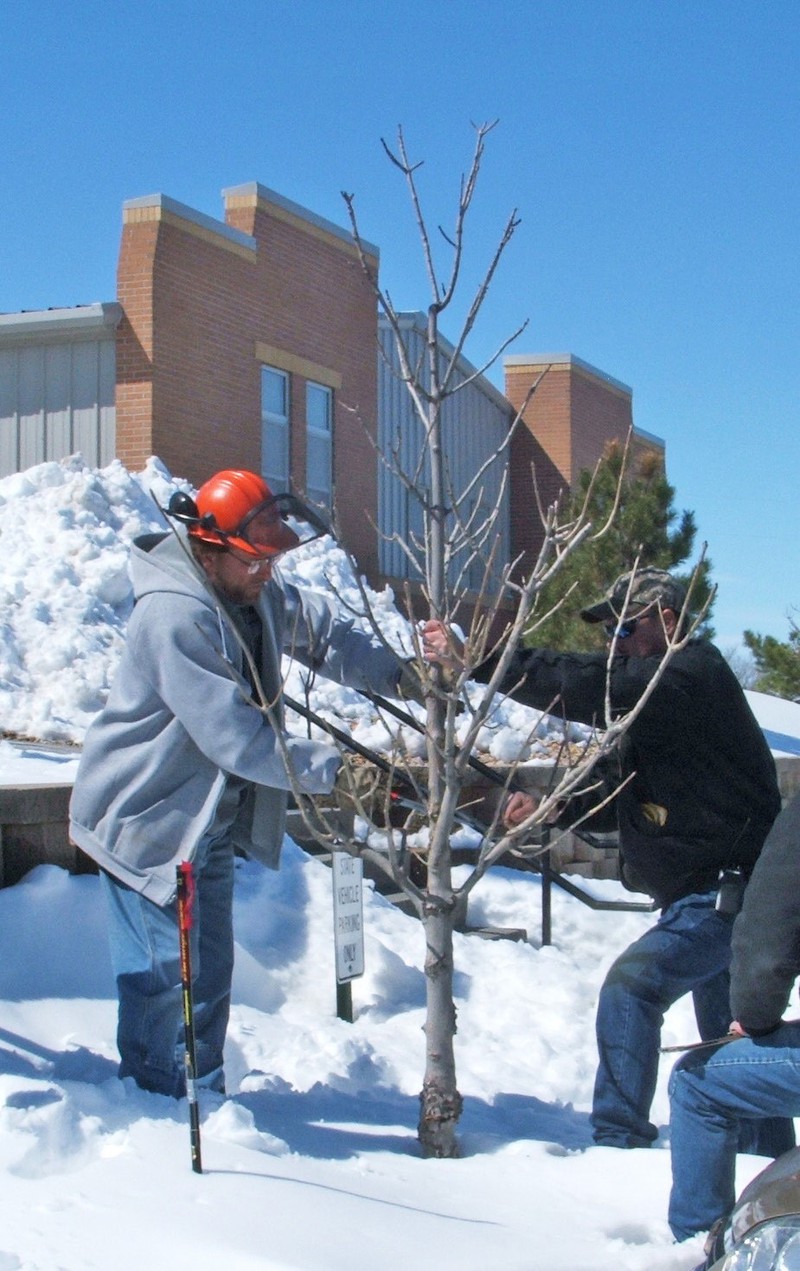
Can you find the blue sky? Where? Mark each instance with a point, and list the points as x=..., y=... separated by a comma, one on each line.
x=650, y=147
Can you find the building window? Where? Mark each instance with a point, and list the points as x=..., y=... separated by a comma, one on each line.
x=319, y=439
x=275, y=428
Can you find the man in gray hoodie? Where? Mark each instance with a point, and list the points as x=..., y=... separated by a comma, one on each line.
x=180, y=766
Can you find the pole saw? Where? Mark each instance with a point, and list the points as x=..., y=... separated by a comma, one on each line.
x=404, y=793
x=185, y=900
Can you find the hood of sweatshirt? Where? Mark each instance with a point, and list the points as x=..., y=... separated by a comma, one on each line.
x=164, y=562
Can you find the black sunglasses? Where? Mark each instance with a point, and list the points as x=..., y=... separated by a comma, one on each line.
x=621, y=630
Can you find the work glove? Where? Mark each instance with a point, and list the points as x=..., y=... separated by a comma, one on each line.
x=359, y=788
x=409, y=686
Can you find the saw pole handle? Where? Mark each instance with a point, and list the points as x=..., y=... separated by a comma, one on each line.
x=185, y=901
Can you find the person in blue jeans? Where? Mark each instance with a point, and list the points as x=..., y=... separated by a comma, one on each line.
x=713, y=1095
x=687, y=951
x=695, y=793
x=182, y=764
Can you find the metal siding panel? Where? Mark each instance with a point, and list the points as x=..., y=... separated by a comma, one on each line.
x=397, y=443
x=56, y=399
x=474, y=427
x=85, y=411
x=31, y=407
x=9, y=421
x=108, y=409
x=386, y=516
x=58, y=416
x=415, y=451
x=395, y=426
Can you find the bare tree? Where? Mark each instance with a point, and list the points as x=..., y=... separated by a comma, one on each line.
x=460, y=526
x=459, y=530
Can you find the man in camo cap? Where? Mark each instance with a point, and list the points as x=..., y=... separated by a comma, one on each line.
x=633, y=593
x=696, y=793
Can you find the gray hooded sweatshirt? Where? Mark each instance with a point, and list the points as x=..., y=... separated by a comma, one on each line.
x=176, y=727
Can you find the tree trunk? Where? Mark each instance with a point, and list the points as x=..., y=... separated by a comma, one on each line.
x=440, y=1101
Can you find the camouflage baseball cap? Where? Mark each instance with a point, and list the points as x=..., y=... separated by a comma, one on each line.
x=650, y=586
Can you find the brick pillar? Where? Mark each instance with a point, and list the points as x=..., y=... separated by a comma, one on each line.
x=134, y=397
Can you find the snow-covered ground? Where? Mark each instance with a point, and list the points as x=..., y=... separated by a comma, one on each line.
x=312, y=1162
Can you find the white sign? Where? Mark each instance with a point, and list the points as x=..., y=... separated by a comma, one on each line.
x=348, y=916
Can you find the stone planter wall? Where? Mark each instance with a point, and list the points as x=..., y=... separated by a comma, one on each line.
x=34, y=827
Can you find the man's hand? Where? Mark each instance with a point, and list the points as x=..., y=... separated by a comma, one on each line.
x=518, y=808
x=440, y=644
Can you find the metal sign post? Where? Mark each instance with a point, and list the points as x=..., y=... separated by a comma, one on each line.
x=348, y=927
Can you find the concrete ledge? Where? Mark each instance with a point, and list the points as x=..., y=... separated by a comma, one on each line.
x=34, y=830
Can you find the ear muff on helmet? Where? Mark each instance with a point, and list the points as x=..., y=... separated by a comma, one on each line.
x=236, y=509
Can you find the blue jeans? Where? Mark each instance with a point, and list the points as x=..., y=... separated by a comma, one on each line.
x=688, y=950
x=711, y=1095
x=145, y=954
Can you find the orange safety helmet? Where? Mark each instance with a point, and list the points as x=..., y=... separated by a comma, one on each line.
x=228, y=504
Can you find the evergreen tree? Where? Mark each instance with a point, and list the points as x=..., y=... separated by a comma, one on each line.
x=646, y=526
x=777, y=663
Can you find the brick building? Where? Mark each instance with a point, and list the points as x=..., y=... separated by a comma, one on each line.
x=570, y=420
x=252, y=342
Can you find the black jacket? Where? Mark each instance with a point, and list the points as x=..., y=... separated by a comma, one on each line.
x=766, y=934
x=699, y=760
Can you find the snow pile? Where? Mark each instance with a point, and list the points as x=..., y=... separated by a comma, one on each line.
x=65, y=594
x=312, y=1163
x=65, y=599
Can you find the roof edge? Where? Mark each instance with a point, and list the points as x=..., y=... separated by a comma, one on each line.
x=258, y=193
x=80, y=319
x=163, y=203
x=564, y=359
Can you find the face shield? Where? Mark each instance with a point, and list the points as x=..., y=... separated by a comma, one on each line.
x=277, y=525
